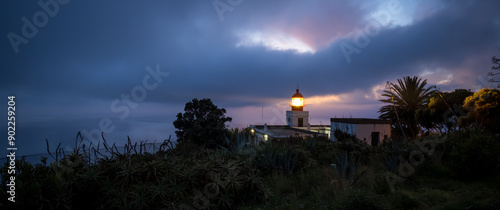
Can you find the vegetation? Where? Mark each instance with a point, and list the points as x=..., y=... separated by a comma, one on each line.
x=483, y=108
x=452, y=169
x=137, y=180
x=404, y=99
x=456, y=170
x=202, y=123
x=473, y=154
x=443, y=110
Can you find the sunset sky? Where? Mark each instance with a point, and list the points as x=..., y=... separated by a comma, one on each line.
x=133, y=65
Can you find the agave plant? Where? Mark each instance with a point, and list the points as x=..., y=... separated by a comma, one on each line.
x=276, y=159
x=177, y=189
x=128, y=173
x=225, y=201
x=346, y=165
x=140, y=196
x=153, y=168
x=199, y=200
x=191, y=175
x=267, y=157
x=392, y=161
x=238, y=144
x=310, y=144
x=92, y=175
x=116, y=197
x=218, y=180
x=254, y=181
x=159, y=190
x=235, y=182
x=287, y=161
x=228, y=166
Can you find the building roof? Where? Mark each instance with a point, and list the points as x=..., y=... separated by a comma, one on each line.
x=325, y=126
x=283, y=131
x=297, y=95
x=360, y=121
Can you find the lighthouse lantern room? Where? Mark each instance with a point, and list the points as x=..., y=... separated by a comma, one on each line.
x=297, y=117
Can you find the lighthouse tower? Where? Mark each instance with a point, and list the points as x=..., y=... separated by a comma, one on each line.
x=297, y=117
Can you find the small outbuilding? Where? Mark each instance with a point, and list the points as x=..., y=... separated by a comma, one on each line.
x=372, y=131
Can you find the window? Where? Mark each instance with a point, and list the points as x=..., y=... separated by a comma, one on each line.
x=301, y=122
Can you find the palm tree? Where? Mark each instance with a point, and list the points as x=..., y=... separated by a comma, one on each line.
x=404, y=99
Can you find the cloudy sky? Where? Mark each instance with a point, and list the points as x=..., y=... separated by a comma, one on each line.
x=128, y=67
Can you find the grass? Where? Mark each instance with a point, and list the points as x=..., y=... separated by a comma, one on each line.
x=447, y=193
x=314, y=189
x=321, y=189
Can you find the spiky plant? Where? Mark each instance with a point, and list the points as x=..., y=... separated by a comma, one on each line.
x=159, y=191
x=153, y=169
x=140, y=196
x=347, y=165
x=177, y=189
x=235, y=181
x=199, y=200
x=225, y=201
x=128, y=173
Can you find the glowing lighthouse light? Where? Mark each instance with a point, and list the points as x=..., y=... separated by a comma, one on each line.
x=297, y=102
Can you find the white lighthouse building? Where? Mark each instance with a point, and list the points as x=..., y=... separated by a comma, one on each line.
x=297, y=124
x=371, y=131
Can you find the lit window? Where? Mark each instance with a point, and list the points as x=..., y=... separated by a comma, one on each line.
x=265, y=137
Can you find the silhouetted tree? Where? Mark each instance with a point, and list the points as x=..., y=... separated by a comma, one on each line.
x=202, y=123
x=404, y=99
x=443, y=110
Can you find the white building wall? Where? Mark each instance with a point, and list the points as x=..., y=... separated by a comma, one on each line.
x=364, y=131
x=345, y=127
x=292, y=118
x=324, y=130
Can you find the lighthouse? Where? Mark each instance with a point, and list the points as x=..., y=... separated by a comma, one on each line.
x=297, y=117
x=372, y=131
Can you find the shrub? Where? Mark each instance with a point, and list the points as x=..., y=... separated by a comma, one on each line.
x=473, y=154
x=346, y=165
x=354, y=146
x=360, y=199
x=275, y=158
x=37, y=187
x=403, y=201
x=381, y=186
